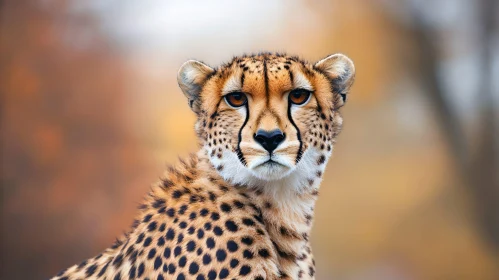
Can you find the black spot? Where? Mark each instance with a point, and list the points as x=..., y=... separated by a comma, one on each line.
x=167, y=183
x=234, y=263
x=62, y=272
x=248, y=222
x=182, y=261
x=147, y=218
x=177, y=251
x=147, y=241
x=247, y=240
x=200, y=277
x=213, y=197
x=238, y=204
x=207, y=226
x=203, y=212
x=167, y=252
x=200, y=233
x=206, y=259
x=180, y=238
x=210, y=243
x=232, y=246
x=212, y=275
x=182, y=209
x=247, y=254
x=151, y=254
x=192, y=216
x=218, y=231
x=118, y=260
x=225, y=207
x=245, y=270
x=321, y=160
x=171, y=268
x=223, y=273
x=152, y=226
x=264, y=253
x=140, y=238
x=193, y=268
x=191, y=246
x=117, y=276
x=170, y=234
x=221, y=255
x=182, y=225
x=82, y=264
x=91, y=270
x=191, y=230
x=157, y=263
x=311, y=271
x=170, y=212
x=132, y=272
x=231, y=226
x=158, y=203
x=133, y=256
x=176, y=194
x=181, y=276
x=162, y=227
x=103, y=270
x=215, y=216
x=259, y=219
x=160, y=277
x=141, y=270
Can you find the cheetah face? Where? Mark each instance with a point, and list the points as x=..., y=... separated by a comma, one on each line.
x=266, y=116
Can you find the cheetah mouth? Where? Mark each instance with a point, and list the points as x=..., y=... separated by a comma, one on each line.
x=271, y=169
x=271, y=163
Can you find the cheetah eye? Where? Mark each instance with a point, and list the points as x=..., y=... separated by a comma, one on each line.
x=299, y=96
x=236, y=99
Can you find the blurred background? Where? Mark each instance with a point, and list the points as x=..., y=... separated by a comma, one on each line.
x=91, y=114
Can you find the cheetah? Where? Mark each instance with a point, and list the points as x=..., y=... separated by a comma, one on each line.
x=242, y=206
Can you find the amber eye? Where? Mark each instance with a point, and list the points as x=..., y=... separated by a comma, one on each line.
x=236, y=99
x=299, y=96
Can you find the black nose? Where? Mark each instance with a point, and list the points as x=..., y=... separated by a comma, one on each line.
x=269, y=139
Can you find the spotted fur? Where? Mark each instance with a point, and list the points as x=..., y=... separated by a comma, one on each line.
x=235, y=210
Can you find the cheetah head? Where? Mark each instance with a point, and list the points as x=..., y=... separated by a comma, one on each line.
x=268, y=117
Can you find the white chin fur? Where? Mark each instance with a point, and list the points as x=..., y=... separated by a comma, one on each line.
x=271, y=171
x=274, y=179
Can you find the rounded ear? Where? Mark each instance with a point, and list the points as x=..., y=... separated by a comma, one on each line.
x=340, y=71
x=191, y=77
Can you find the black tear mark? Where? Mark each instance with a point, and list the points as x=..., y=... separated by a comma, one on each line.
x=239, y=136
x=298, y=135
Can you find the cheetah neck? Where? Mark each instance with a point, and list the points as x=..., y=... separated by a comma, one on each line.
x=288, y=221
x=286, y=207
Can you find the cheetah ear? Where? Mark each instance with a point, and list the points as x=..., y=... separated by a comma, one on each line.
x=191, y=78
x=341, y=73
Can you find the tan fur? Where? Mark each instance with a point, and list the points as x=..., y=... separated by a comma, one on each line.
x=223, y=213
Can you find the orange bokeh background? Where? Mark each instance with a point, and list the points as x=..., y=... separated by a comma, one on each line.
x=91, y=114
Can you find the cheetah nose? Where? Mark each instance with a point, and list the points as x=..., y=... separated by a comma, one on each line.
x=269, y=139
